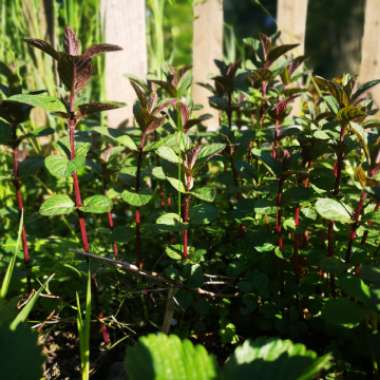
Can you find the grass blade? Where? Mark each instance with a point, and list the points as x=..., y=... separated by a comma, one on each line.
x=11, y=266
x=24, y=313
x=84, y=330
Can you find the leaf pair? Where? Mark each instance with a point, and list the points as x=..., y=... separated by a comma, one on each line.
x=148, y=112
x=74, y=69
x=167, y=357
x=62, y=204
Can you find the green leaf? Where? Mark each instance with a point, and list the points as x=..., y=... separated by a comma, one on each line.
x=364, y=88
x=168, y=154
x=206, y=194
x=343, y=312
x=10, y=268
x=59, y=204
x=20, y=355
x=362, y=137
x=321, y=135
x=267, y=159
x=27, y=309
x=274, y=359
x=332, y=103
x=207, y=151
x=355, y=287
x=79, y=161
x=58, y=166
x=174, y=251
x=127, y=141
x=166, y=357
x=169, y=219
x=350, y=113
x=97, y=204
x=48, y=103
x=117, y=136
x=331, y=209
x=6, y=133
x=203, y=213
x=178, y=185
x=158, y=172
x=136, y=199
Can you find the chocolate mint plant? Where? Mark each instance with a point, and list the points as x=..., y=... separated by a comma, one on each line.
x=75, y=70
x=149, y=115
x=276, y=224
x=12, y=115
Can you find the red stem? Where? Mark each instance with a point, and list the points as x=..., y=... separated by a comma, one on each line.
x=340, y=160
x=278, y=227
x=330, y=239
x=230, y=149
x=186, y=219
x=20, y=202
x=372, y=172
x=104, y=330
x=276, y=138
x=78, y=199
x=138, y=237
x=137, y=212
x=338, y=168
x=356, y=217
x=111, y=226
x=264, y=86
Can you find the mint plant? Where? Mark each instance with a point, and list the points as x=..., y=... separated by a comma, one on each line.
x=12, y=116
x=266, y=227
x=75, y=71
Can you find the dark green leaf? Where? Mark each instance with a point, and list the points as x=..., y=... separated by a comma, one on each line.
x=97, y=204
x=331, y=209
x=59, y=204
x=136, y=199
x=48, y=103
x=168, y=358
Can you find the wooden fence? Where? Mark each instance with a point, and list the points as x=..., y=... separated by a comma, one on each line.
x=125, y=25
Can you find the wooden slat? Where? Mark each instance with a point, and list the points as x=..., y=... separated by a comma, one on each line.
x=207, y=46
x=370, y=65
x=124, y=25
x=291, y=20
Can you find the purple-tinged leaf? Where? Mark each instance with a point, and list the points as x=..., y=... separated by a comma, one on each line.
x=90, y=108
x=71, y=43
x=266, y=44
x=74, y=71
x=185, y=113
x=364, y=88
x=139, y=90
x=99, y=49
x=279, y=51
x=42, y=45
x=296, y=62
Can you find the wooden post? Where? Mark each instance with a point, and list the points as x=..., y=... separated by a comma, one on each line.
x=291, y=20
x=370, y=65
x=124, y=25
x=207, y=46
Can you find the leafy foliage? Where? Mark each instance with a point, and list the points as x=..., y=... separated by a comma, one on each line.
x=167, y=357
x=265, y=227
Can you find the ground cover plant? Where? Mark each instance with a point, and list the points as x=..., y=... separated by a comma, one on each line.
x=254, y=249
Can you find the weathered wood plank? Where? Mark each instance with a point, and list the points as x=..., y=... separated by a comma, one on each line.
x=370, y=64
x=291, y=20
x=124, y=25
x=207, y=46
